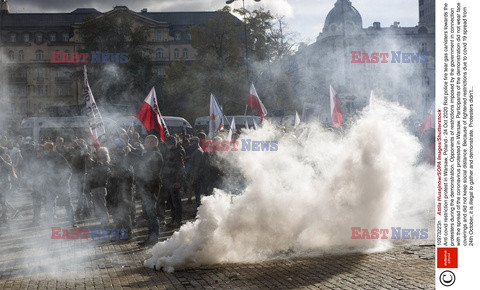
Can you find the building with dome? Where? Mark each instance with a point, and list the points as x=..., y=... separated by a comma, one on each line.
x=408, y=76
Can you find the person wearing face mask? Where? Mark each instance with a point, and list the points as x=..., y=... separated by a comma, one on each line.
x=174, y=177
x=149, y=182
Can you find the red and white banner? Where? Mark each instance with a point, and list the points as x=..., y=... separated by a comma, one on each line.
x=216, y=117
x=150, y=116
x=254, y=103
x=335, y=109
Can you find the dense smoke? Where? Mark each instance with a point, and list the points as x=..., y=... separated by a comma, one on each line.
x=305, y=197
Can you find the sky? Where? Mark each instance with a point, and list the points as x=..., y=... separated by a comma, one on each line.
x=305, y=18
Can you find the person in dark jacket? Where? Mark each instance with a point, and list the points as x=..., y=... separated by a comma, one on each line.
x=148, y=177
x=97, y=181
x=5, y=172
x=56, y=184
x=121, y=186
x=174, y=177
x=197, y=168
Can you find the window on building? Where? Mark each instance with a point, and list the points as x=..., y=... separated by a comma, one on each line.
x=159, y=35
x=13, y=37
x=59, y=91
x=185, y=53
x=65, y=37
x=426, y=81
x=21, y=55
x=178, y=35
x=161, y=72
x=39, y=55
x=176, y=53
x=189, y=36
x=11, y=55
x=40, y=90
x=53, y=37
x=40, y=73
x=424, y=46
x=26, y=37
x=39, y=37
x=159, y=53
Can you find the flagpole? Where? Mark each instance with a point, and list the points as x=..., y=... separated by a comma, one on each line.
x=246, y=107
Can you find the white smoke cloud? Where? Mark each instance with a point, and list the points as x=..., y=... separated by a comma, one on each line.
x=304, y=198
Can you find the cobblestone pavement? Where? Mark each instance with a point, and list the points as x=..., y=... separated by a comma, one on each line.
x=30, y=259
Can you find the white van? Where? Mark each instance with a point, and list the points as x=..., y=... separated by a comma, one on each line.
x=175, y=125
x=49, y=127
x=202, y=123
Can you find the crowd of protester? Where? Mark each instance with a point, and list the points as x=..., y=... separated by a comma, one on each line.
x=106, y=181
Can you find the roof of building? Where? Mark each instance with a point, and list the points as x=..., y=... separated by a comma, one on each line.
x=343, y=13
x=79, y=14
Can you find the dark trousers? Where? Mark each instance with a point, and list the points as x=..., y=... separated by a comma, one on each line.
x=148, y=194
x=176, y=204
x=199, y=188
x=59, y=194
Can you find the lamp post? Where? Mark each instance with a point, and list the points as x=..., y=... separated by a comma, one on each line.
x=246, y=35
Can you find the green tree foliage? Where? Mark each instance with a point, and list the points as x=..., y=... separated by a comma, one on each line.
x=120, y=84
x=220, y=67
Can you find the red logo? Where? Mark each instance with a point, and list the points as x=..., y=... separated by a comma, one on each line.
x=447, y=257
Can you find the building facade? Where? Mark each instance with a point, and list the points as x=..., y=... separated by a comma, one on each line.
x=32, y=83
x=342, y=57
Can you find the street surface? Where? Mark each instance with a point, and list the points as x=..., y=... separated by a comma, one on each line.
x=30, y=259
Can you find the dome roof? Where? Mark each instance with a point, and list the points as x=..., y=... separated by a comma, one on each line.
x=342, y=14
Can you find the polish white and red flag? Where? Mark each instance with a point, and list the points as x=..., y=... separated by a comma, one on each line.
x=335, y=110
x=216, y=117
x=254, y=103
x=150, y=116
x=95, y=120
x=429, y=119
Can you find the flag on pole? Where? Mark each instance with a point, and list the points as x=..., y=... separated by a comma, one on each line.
x=371, y=102
x=216, y=117
x=131, y=130
x=335, y=111
x=255, y=104
x=150, y=116
x=297, y=119
x=246, y=124
x=429, y=119
x=95, y=120
x=232, y=130
x=255, y=125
